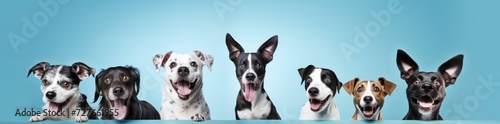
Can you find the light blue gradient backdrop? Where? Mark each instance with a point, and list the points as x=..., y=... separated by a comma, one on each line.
x=111, y=33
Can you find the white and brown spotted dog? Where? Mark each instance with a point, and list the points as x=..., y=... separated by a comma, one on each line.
x=369, y=97
x=182, y=97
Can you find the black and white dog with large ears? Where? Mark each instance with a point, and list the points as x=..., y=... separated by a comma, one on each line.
x=426, y=90
x=182, y=91
x=252, y=101
x=60, y=88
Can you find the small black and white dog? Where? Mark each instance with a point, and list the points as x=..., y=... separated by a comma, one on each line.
x=60, y=88
x=252, y=101
x=119, y=87
x=321, y=86
x=426, y=90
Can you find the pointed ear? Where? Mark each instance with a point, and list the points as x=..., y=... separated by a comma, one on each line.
x=349, y=86
x=267, y=49
x=406, y=65
x=98, y=91
x=82, y=70
x=39, y=69
x=135, y=77
x=304, y=72
x=451, y=69
x=159, y=60
x=388, y=85
x=206, y=59
x=234, y=47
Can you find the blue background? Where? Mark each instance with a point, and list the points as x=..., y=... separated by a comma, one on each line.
x=112, y=33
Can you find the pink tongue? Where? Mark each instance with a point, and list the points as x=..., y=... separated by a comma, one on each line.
x=249, y=92
x=121, y=109
x=315, y=106
x=53, y=106
x=368, y=112
x=183, y=89
x=425, y=105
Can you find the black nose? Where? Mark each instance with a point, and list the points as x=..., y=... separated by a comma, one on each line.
x=313, y=91
x=426, y=87
x=183, y=71
x=368, y=99
x=118, y=91
x=250, y=77
x=50, y=94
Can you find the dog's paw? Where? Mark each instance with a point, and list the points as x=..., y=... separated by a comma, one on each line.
x=36, y=118
x=198, y=118
x=81, y=118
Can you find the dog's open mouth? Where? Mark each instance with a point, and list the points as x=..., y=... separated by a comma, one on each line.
x=249, y=90
x=183, y=88
x=53, y=106
x=368, y=111
x=426, y=103
x=119, y=109
x=317, y=104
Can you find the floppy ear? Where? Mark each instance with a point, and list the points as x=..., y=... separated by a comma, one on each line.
x=267, y=49
x=349, y=86
x=159, y=60
x=234, y=47
x=39, y=69
x=98, y=90
x=304, y=72
x=406, y=65
x=136, y=78
x=451, y=69
x=82, y=70
x=206, y=59
x=388, y=85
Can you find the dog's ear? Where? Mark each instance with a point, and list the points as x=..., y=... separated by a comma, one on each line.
x=136, y=78
x=234, y=47
x=206, y=59
x=388, y=86
x=304, y=72
x=267, y=49
x=39, y=69
x=159, y=60
x=82, y=70
x=406, y=65
x=349, y=86
x=98, y=90
x=451, y=69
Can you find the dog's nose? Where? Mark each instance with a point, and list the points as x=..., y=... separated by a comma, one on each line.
x=250, y=77
x=427, y=87
x=118, y=91
x=183, y=71
x=368, y=99
x=50, y=94
x=313, y=91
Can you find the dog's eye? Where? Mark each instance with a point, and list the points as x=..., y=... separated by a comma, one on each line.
x=437, y=83
x=194, y=64
x=66, y=84
x=308, y=80
x=327, y=80
x=242, y=67
x=125, y=78
x=376, y=89
x=173, y=64
x=416, y=82
x=107, y=80
x=45, y=82
x=258, y=65
x=360, y=89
